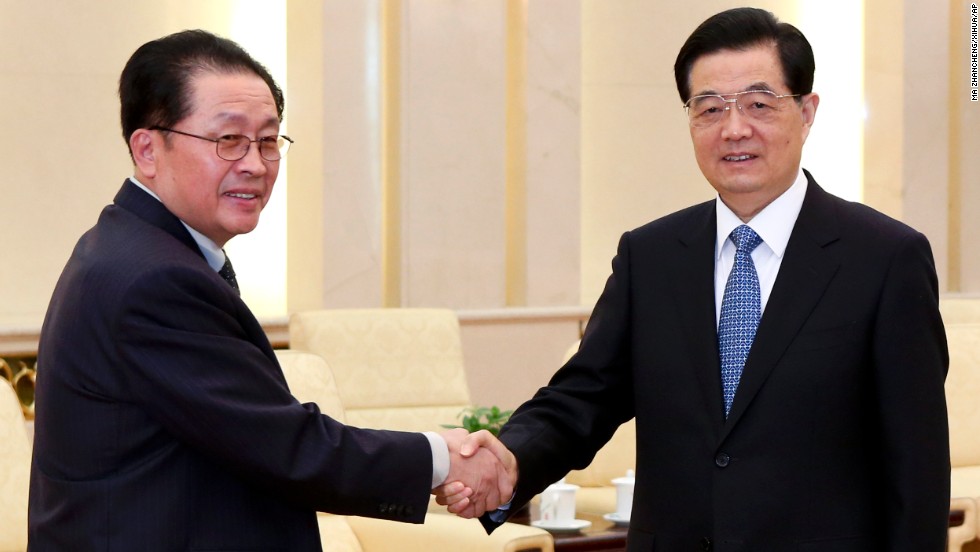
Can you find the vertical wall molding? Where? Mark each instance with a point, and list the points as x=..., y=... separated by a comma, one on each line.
x=391, y=79
x=515, y=202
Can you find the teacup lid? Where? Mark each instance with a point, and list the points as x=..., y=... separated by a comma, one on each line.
x=560, y=485
x=629, y=479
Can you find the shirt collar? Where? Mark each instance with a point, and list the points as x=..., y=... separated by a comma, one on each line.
x=214, y=255
x=773, y=224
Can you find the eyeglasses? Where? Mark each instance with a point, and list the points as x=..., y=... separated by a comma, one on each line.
x=759, y=105
x=232, y=147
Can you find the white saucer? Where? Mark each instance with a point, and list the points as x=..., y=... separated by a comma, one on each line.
x=616, y=518
x=562, y=526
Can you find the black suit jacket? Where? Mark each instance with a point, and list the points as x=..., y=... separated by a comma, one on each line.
x=837, y=440
x=164, y=421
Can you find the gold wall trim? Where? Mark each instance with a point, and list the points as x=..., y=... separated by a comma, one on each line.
x=391, y=83
x=515, y=193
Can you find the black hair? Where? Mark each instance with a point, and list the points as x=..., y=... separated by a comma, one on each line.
x=741, y=29
x=154, y=88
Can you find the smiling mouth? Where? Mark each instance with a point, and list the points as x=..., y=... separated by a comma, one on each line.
x=744, y=157
x=241, y=196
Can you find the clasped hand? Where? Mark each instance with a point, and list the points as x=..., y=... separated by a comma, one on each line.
x=482, y=474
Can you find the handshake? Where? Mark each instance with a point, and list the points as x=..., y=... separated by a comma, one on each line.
x=482, y=474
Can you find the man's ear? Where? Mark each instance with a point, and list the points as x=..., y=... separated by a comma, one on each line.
x=810, y=103
x=143, y=146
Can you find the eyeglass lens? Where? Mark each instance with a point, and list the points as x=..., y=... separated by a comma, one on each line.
x=707, y=110
x=235, y=147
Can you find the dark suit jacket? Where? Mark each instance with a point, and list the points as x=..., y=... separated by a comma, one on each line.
x=837, y=440
x=164, y=421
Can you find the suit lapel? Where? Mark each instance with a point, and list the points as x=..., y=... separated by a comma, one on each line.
x=694, y=290
x=807, y=267
x=131, y=198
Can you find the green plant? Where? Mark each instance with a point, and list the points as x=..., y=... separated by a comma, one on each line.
x=476, y=418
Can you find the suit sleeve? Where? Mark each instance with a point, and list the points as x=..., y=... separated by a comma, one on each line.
x=563, y=426
x=192, y=365
x=910, y=365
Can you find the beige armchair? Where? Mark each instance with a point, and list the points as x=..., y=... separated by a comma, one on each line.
x=395, y=368
x=311, y=380
x=967, y=532
x=597, y=494
x=15, y=469
x=958, y=309
x=445, y=532
x=963, y=406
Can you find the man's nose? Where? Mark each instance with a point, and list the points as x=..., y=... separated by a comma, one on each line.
x=253, y=162
x=735, y=124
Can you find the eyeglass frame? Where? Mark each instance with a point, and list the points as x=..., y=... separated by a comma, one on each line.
x=217, y=142
x=733, y=100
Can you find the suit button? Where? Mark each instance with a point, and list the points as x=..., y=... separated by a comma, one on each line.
x=383, y=509
x=409, y=511
x=722, y=460
x=706, y=544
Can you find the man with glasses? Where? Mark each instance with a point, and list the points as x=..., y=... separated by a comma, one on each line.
x=781, y=349
x=163, y=420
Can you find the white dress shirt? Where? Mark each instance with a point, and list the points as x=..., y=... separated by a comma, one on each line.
x=773, y=224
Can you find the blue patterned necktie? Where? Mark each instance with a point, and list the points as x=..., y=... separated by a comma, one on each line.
x=741, y=309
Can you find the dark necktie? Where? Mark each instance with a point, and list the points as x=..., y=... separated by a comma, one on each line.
x=741, y=309
x=228, y=273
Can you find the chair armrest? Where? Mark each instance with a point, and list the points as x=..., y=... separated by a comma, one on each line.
x=962, y=534
x=597, y=501
x=445, y=532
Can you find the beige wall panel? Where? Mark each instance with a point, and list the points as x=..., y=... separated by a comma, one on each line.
x=834, y=151
x=64, y=165
x=508, y=358
x=65, y=158
x=553, y=152
x=305, y=235
x=925, y=157
x=352, y=154
x=637, y=162
x=452, y=177
x=632, y=171
x=965, y=152
x=884, y=96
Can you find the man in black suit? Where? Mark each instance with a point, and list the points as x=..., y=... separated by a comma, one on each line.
x=163, y=419
x=825, y=430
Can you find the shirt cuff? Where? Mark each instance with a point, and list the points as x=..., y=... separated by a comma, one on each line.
x=440, y=458
x=500, y=514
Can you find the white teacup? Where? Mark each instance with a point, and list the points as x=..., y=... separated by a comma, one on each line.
x=558, y=502
x=624, y=494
